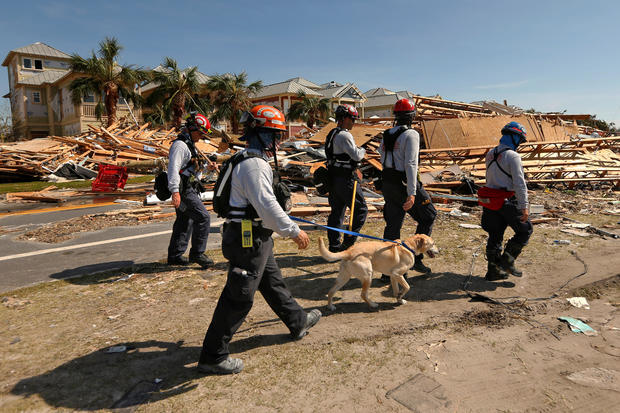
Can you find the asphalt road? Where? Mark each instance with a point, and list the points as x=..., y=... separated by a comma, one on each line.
x=24, y=263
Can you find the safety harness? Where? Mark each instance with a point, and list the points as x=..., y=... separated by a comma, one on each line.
x=491, y=198
x=341, y=164
x=389, y=140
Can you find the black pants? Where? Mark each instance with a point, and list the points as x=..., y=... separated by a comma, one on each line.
x=423, y=211
x=340, y=196
x=496, y=222
x=194, y=222
x=249, y=269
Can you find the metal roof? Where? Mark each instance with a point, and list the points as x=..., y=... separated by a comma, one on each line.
x=378, y=91
x=286, y=87
x=304, y=82
x=37, y=49
x=47, y=76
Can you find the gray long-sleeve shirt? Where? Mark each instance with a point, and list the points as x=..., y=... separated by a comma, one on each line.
x=404, y=156
x=343, y=142
x=510, y=161
x=178, y=156
x=252, y=184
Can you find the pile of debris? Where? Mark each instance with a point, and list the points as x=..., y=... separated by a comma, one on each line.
x=79, y=156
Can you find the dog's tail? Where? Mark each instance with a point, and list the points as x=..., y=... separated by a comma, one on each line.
x=328, y=255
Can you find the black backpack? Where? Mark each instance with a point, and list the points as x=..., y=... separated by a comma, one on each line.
x=221, y=190
x=161, y=180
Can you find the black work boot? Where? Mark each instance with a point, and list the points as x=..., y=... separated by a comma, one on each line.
x=202, y=260
x=347, y=243
x=494, y=271
x=418, y=265
x=507, y=262
x=178, y=260
x=312, y=318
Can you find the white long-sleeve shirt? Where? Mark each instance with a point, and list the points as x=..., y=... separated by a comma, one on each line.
x=178, y=156
x=252, y=184
x=343, y=142
x=404, y=156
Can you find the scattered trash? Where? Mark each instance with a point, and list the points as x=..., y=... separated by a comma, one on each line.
x=578, y=326
x=575, y=232
x=470, y=226
x=579, y=302
x=113, y=317
x=196, y=300
x=537, y=209
x=561, y=242
x=125, y=278
x=597, y=377
x=458, y=213
x=157, y=381
x=16, y=340
x=578, y=225
x=116, y=349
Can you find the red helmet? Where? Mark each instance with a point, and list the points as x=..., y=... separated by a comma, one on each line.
x=346, y=110
x=198, y=122
x=404, y=106
x=266, y=117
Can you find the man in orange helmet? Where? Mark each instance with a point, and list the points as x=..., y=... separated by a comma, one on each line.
x=184, y=171
x=255, y=209
x=402, y=190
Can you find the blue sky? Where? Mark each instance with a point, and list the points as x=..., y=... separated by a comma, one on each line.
x=546, y=54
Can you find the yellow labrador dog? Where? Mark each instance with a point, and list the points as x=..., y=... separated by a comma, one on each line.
x=363, y=258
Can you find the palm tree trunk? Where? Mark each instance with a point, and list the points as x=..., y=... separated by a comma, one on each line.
x=111, y=99
x=178, y=109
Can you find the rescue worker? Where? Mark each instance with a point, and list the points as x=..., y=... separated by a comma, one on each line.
x=184, y=172
x=402, y=190
x=505, y=204
x=256, y=210
x=343, y=159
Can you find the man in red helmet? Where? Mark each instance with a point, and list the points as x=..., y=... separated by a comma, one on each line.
x=402, y=190
x=343, y=159
x=255, y=212
x=185, y=166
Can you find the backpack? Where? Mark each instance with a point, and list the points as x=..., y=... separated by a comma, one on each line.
x=161, y=180
x=221, y=190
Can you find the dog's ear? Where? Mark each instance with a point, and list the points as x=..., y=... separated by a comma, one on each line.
x=418, y=243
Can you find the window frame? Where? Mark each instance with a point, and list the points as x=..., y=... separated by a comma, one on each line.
x=35, y=64
x=24, y=59
x=34, y=99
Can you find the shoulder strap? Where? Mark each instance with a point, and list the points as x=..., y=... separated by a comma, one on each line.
x=389, y=140
x=191, y=147
x=329, y=142
x=495, y=156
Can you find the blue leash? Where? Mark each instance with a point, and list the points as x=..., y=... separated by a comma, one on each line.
x=357, y=234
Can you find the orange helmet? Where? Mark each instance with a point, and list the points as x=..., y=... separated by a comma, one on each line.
x=198, y=122
x=265, y=116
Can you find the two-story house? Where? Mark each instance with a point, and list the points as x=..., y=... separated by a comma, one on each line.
x=41, y=104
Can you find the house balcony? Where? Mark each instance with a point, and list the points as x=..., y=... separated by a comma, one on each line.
x=88, y=111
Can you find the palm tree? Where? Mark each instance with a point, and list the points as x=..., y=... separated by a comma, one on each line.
x=104, y=77
x=310, y=109
x=230, y=95
x=176, y=91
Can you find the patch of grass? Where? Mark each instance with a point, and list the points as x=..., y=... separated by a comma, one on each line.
x=39, y=185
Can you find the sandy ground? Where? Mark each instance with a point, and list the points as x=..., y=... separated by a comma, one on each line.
x=442, y=351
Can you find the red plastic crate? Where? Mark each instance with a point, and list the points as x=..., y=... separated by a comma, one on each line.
x=110, y=178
